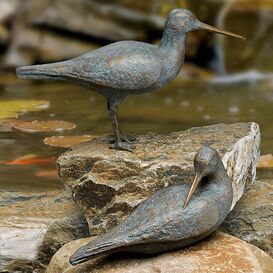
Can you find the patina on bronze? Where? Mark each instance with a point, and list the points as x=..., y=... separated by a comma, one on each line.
x=163, y=222
x=128, y=67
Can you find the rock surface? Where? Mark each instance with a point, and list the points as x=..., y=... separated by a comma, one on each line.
x=109, y=184
x=264, y=259
x=34, y=226
x=218, y=253
x=252, y=218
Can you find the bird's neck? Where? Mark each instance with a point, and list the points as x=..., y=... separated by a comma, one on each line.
x=220, y=177
x=173, y=44
x=172, y=51
x=221, y=187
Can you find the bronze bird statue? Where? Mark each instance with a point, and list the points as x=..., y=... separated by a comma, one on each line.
x=128, y=67
x=170, y=219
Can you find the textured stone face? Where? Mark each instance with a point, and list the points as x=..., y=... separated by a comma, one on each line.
x=252, y=219
x=220, y=252
x=108, y=184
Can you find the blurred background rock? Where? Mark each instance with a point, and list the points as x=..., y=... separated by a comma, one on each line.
x=51, y=30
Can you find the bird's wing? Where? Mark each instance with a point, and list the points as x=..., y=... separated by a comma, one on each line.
x=161, y=215
x=128, y=68
x=158, y=222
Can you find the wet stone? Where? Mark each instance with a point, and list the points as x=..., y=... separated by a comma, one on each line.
x=33, y=226
x=108, y=184
x=218, y=253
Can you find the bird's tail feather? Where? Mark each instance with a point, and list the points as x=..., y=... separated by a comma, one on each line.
x=43, y=71
x=93, y=249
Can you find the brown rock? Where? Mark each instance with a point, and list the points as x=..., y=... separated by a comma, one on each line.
x=264, y=259
x=251, y=219
x=220, y=252
x=109, y=184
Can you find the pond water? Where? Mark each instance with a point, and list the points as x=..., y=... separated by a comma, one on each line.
x=183, y=104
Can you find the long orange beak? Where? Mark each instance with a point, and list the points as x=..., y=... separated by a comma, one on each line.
x=207, y=27
x=195, y=182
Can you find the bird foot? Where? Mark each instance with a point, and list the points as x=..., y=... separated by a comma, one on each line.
x=123, y=146
x=128, y=139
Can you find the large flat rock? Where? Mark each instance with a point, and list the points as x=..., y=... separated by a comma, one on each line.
x=108, y=184
x=220, y=252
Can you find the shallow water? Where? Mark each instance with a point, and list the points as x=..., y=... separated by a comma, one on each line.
x=183, y=104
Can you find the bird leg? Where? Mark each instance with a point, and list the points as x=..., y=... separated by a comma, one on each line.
x=118, y=143
x=124, y=138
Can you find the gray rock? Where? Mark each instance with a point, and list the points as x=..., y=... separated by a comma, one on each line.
x=252, y=218
x=34, y=226
x=109, y=184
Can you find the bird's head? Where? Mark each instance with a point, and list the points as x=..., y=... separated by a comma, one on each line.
x=185, y=21
x=206, y=162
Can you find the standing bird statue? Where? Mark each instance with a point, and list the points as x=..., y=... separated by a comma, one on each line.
x=170, y=219
x=128, y=67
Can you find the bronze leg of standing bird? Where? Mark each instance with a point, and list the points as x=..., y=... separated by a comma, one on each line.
x=120, y=142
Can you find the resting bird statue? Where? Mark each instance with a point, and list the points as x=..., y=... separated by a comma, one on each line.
x=170, y=218
x=126, y=68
